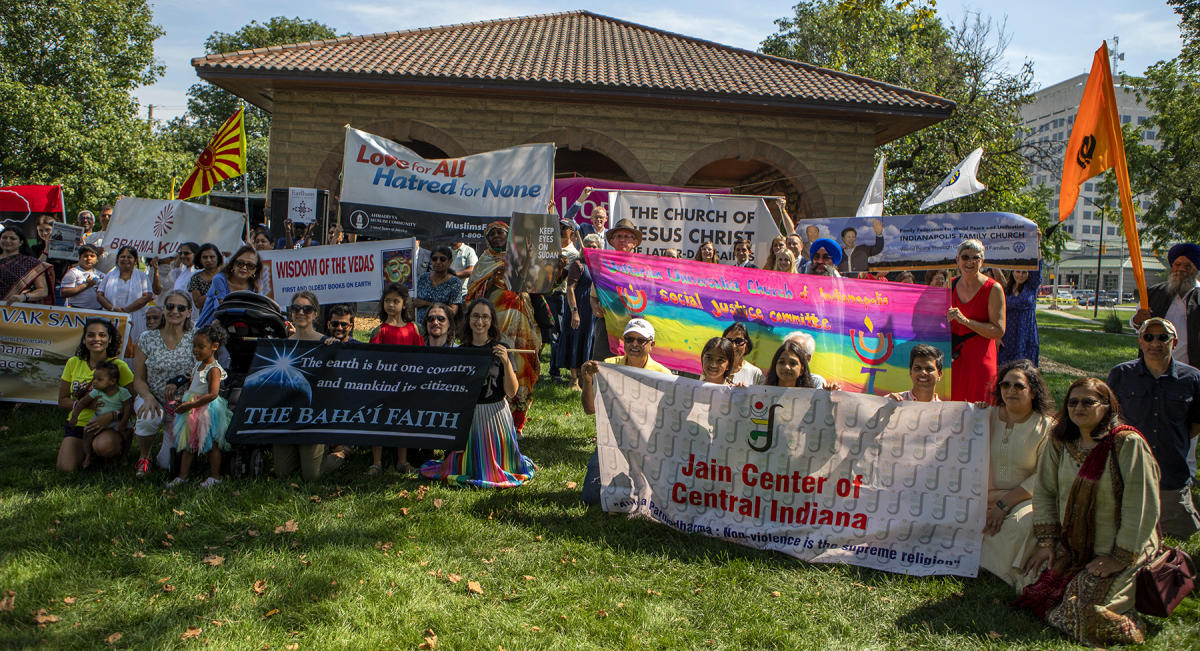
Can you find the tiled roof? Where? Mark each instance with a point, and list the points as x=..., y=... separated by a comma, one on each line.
x=577, y=49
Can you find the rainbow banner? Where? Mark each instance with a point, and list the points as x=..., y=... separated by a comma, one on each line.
x=864, y=329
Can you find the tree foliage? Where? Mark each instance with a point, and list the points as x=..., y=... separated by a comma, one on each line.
x=68, y=70
x=1169, y=174
x=906, y=44
x=209, y=106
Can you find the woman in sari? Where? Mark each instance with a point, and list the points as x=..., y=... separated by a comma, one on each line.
x=514, y=314
x=23, y=278
x=1095, y=510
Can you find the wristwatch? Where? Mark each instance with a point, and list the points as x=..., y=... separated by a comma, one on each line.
x=1002, y=506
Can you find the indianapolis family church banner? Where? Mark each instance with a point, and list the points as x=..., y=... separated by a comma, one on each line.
x=359, y=394
x=684, y=221
x=864, y=329
x=389, y=191
x=338, y=273
x=824, y=476
x=36, y=342
x=156, y=227
x=918, y=242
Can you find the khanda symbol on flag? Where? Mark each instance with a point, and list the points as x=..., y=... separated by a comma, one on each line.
x=223, y=158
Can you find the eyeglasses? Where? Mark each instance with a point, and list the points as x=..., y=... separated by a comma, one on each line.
x=340, y=324
x=635, y=341
x=481, y=317
x=176, y=307
x=435, y=317
x=1017, y=386
x=737, y=342
x=242, y=264
x=1149, y=337
x=1086, y=403
x=303, y=309
x=966, y=257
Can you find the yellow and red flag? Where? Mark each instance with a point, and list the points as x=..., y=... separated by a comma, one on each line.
x=223, y=158
x=1097, y=145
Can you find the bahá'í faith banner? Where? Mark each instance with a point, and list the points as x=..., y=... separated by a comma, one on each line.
x=824, y=476
x=864, y=329
x=388, y=191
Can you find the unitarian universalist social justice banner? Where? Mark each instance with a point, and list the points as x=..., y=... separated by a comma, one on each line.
x=824, y=476
x=864, y=329
x=156, y=227
x=359, y=394
x=35, y=343
x=918, y=242
x=339, y=273
x=389, y=191
x=684, y=221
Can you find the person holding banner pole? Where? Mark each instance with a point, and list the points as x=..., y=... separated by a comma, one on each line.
x=492, y=458
x=623, y=237
x=127, y=289
x=575, y=340
x=976, y=316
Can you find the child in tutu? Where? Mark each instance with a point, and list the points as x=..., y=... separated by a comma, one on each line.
x=203, y=416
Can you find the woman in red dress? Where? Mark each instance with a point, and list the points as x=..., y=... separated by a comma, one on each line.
x=976, y=317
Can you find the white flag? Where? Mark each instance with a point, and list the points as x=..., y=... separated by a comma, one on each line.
x=960, y=182
x=872, y=201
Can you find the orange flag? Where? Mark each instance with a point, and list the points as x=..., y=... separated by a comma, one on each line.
x=1097, y=145
x=223, y=158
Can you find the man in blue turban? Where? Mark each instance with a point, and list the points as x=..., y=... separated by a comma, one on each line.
x=824, y=257
x=1178, y=301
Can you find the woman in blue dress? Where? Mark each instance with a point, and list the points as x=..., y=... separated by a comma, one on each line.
x=1020, y=334
x=575, y=338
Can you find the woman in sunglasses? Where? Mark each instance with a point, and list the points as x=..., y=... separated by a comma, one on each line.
x=438, y=325
x=303, y=314
x=1095, y=509
x=161, y=364
x=438, y=285
x=976, y=316
x=241, y=273
x=742, y=373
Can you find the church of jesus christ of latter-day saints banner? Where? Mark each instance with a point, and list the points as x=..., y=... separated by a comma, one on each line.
x=388, y=191
x=864, y=329
x=684, y=221
x=824, y=476
x=360, y=394
x=917, y=242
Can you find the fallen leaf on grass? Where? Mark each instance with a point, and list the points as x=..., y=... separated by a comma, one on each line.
x=252, y=532
x=213, y=560
x=527, y=577
x=8, y=602
x=167, y=587
x=404, y=510
x=178, y=512
x=260, y=587
x=430, y=640
x=859, y=585
x=994, y=635
x=571, y=485
x=69, y=600
x=437, y=503
x=537, y=538
x=659, y=594
x=191, y=633
x=315, y=498
x=535, y=629
x=776, y=594
x=473, y=586
x=271, y=612
x=42, y=617
x=287, y=527
x=164, y=579
x=112, y=639
x=139, y=554
x=292, y=647
x=601, y=613
x=454, y=578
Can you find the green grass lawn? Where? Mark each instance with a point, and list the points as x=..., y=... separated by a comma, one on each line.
x=373, y=562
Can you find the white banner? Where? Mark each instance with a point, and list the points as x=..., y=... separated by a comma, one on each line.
x=683, y=220
x=156, y=227
x=390, y=191
x=825, y=476
x=339, y=273
x=302, y=205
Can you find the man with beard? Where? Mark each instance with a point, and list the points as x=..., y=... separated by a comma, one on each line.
x=514, y=314
x=1178, y=302
x=824, y=256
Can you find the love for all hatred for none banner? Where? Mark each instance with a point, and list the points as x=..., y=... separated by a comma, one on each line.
x=684, y=221
x=824, y=476
x=35, y=343
x=531, y=256
x=156, y=227
x=917, y=242
x=359, y=394
x=389, y=191
x=864, y=329
x=339, y=273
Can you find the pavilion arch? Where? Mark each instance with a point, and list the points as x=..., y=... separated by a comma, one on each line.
x=427, y=140
x=755, y=167
x=591, y=153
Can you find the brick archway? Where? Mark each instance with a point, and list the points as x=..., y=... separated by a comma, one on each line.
x=399, y=130
x=577, y=138
x=812, y=200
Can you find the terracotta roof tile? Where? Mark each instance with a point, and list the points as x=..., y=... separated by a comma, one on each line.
x=572, y=49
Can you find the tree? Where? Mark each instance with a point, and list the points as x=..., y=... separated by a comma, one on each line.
x=906, y=44
x=68, y=70
x=1169, y=174
x=209, y=106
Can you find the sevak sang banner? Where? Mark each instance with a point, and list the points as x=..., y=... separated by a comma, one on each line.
x=359, y=394
x=156, y=227
x=35, y=343
x=389, y=191
x=864, y=329
x=918, y=242
x=684, y=221
x=338, y=273
x=824, y=476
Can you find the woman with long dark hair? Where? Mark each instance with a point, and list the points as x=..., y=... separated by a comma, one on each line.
x=241, y=274
x=99, y=343
x=1020, y=339
x=23, y=278
x=208, y=265
x=789, y=368
x=127, y=289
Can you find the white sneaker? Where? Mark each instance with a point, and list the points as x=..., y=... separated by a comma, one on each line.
x=211, y=481
x=178, y=481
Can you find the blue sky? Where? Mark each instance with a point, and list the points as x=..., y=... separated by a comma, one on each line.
x=1058, y=37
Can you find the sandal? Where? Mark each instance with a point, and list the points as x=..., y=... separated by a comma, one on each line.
x=405, y=468
x=374, y=469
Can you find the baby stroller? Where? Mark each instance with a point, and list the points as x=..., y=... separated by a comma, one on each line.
x=246, y=317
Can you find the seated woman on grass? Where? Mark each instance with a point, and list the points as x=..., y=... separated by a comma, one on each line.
x=100, y=343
